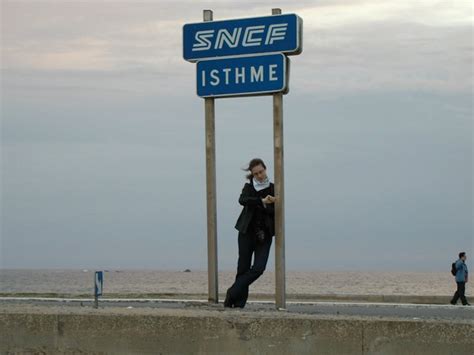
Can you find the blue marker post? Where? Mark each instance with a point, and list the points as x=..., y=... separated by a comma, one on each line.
x=98, y=287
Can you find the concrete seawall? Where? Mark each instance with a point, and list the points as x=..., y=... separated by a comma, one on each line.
x=49, y=330
x=413, y=299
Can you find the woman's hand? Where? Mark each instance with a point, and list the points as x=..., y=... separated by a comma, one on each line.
x=268, y=199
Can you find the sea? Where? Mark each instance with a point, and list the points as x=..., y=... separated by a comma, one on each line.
x=142, y=282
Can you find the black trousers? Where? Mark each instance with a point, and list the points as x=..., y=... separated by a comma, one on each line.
x=460, y=293
x=246, y=273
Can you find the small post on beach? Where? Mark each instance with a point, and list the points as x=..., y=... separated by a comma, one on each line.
x=98, y=286
x=280, y=286
x=211, y=191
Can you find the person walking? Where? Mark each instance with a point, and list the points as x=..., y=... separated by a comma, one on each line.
x=256, y=226
x=461, y=280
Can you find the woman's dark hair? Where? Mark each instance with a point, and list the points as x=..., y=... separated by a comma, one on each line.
x=252, y=164
x=461, y=254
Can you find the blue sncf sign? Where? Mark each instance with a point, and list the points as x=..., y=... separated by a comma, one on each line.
x=276, y=33
x=252, y=75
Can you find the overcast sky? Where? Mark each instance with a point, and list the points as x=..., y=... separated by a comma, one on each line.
x=103, y=158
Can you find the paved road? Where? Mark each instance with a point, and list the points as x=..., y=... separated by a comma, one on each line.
x=383, y=310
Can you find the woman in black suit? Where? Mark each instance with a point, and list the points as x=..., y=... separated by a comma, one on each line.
x=256, y=226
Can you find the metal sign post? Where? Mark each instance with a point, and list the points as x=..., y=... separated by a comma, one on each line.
x=280, y=286
x=213, y=294
x=280, y=281
x=244, y=57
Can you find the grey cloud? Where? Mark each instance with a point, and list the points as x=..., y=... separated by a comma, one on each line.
x=147, y=37
x=98, y=164
x=400, y=56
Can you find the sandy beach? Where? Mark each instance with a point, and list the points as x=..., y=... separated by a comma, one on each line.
x=123, y=282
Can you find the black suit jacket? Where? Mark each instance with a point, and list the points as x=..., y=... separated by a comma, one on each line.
x=251, y=201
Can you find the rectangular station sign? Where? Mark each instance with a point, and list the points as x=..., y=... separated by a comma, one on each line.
x=239, y=76
x=212, y=39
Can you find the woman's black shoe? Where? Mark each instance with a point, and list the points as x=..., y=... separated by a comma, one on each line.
x=228, y=301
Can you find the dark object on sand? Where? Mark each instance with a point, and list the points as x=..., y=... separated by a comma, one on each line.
x=187, y=270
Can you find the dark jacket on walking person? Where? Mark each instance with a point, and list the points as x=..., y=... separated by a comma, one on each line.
x=256, y=226
x=461, y=280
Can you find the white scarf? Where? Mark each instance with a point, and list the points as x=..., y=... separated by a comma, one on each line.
x=261, y=185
